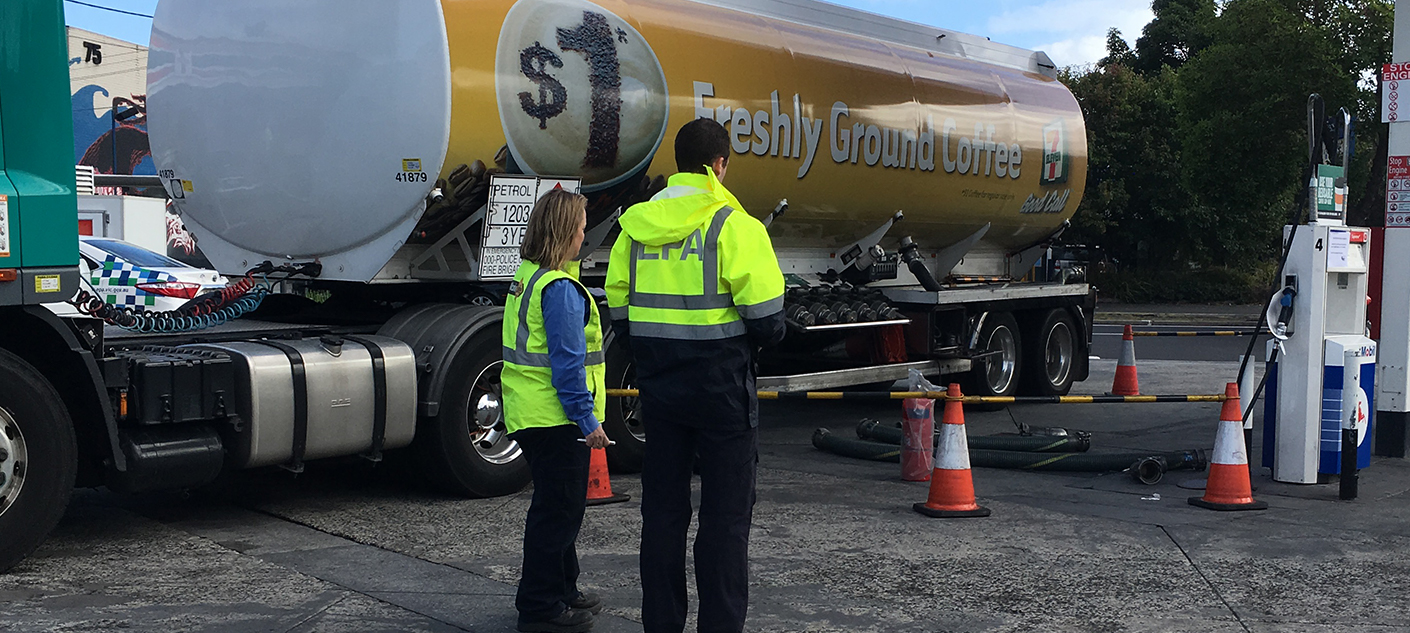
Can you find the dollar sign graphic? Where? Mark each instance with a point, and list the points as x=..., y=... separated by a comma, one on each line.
x=534, y=62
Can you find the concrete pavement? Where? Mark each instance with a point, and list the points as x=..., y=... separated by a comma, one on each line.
x=835, y=546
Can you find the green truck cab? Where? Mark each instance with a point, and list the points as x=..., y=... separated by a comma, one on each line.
x=53, y=404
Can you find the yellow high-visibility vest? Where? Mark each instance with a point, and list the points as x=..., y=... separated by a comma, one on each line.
x=530, y=401
x=691, y=264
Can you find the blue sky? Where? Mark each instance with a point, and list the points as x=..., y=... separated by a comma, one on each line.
x=1071, y=31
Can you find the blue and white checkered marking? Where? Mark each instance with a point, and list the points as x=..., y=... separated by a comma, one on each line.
x=116, y=282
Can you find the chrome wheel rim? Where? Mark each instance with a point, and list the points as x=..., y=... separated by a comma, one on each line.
x=14, y=460
x=1058, y=354
x=485, y=424
x=630, y=407
x=1001, y=368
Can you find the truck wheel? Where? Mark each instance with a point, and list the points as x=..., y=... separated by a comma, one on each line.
x=465, y=450
x=997, y=375
x=38, y=459
x=1052, y=354
x=623, y=424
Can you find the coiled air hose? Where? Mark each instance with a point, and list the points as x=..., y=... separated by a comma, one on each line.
x=1062, y=462
x=208, y=310
x=1072, y=443
x=215, y=308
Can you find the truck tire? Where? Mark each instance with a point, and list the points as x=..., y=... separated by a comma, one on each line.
x=997, y=375
x=40, y=459
x=1052, y=348
x=464, y=450
x=623, y=424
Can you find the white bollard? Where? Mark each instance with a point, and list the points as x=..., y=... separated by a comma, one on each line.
x=1247, y=387
x=1350, y=438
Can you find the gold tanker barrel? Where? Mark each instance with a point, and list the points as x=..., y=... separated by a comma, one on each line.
x=848, y=128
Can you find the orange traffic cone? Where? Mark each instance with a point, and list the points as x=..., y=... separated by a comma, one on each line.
x=951, y=487
x=1228, y=487
x=599, y=484
x=1126, y=383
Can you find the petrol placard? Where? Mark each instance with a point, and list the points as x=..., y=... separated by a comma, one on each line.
x=511, y=202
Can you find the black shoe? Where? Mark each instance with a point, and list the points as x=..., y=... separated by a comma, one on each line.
x=570, y=621
x=590, y=602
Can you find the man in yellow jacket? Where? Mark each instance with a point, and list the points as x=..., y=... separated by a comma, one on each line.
x=694, y=290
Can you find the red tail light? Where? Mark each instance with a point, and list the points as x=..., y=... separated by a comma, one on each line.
x=178, y=289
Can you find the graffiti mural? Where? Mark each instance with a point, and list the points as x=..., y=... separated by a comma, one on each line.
x=108, y=79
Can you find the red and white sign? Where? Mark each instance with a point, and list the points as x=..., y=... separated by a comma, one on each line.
x=1395, y=77
x=1398, y=191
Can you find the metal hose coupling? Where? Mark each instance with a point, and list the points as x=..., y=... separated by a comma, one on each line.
x=1148, y=470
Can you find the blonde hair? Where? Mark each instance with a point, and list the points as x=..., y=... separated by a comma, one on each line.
x=552, y=226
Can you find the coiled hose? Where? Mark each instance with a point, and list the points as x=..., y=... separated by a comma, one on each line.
x=209, y=310
x=1193, y=459
x=1077, y=442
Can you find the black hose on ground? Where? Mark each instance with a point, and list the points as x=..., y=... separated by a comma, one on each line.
x=1084, y=462
x=1194, y=459
x=1073, y=443
x=824, y=440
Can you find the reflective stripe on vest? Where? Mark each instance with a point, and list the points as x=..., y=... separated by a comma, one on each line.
x=709, y=299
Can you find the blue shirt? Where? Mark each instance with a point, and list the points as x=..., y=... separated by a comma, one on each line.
x=565, y=322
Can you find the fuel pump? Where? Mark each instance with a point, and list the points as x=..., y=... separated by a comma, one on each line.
x=1318, y=324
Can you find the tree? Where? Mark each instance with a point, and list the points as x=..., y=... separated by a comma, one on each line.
x=1197, y=138
x=1118, y=52
x=1242, y=119
x=1178, y=32
x=1135, y=204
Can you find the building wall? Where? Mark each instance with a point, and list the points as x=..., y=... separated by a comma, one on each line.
x=108, y=74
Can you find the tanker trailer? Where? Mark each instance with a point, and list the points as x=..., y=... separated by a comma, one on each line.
x=910, y=177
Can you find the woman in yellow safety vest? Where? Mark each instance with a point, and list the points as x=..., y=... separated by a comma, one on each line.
x=554, y=396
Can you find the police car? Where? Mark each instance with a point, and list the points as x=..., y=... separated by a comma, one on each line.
x=124, y=274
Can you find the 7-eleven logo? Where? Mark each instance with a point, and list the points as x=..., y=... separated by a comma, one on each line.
x=1055, y=159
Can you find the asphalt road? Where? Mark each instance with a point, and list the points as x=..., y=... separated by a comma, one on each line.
x=1106, y=343
x=835, y=545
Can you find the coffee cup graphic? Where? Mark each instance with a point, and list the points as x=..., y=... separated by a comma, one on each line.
x=580, y=92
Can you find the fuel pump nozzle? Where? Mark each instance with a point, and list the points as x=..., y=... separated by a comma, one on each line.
x=1281, y=326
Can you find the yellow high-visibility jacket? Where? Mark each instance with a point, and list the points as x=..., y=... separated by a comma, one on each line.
x=696, y=276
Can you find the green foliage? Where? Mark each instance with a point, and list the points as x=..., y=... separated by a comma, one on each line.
x=1135, y=194
x=1210, y=285
x=1243, y=119
x=1180, y=30
x=1197, y=138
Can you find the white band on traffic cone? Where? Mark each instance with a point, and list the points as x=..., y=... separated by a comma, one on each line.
x=1229, y=444
x=953, y=450
x=1128, y=354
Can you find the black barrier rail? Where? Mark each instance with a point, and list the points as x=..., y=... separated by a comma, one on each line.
x=1212, y=333
x=941, y=395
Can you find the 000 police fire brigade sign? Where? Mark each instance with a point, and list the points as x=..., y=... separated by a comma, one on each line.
x=512, y=199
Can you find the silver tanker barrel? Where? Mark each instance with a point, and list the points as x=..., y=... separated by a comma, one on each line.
x=317, y=130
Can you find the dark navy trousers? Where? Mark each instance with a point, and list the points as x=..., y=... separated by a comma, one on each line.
x=727, y=460
x=559, y=464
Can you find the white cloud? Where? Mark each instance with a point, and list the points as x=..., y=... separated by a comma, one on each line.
x=1077, y=27
x=1076, y=51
